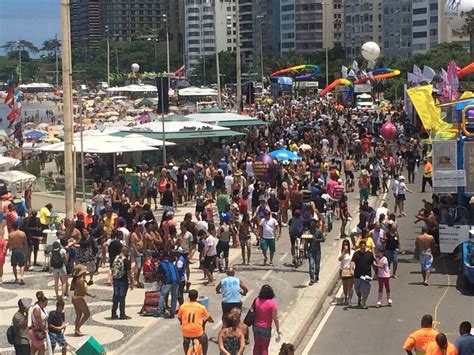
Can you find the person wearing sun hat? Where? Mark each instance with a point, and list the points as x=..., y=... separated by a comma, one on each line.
x=79, y=285
x=400, y=193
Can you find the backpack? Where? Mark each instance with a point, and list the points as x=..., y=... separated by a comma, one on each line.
x=118, y=267
x=11, y=334
x=57, y=261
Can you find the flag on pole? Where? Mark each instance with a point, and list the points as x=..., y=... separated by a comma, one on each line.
x=453, y=80
x=13, y=115
x=10, y=98
x=428, y=74
x=344, y=71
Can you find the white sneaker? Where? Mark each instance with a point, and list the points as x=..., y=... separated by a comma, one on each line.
x=389, y=301
x=379, y=304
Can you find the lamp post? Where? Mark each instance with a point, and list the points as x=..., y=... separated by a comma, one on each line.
x=19, y=60
x=218, y=72
x=108, y=54
x=155, y=41
x=261, y=17
x=325, y=39
x=67, y=107
x=238, y=65
x=165, y=20
x=56, y=60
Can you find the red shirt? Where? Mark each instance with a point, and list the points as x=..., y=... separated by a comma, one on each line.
x=243, y=206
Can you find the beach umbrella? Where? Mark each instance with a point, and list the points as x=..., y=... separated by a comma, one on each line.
x=35, y=134
x=145, y=102
x=283, y=154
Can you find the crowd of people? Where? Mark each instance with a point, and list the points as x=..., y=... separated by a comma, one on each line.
x=235, y=207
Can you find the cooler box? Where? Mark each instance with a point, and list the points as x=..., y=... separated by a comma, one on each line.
x=90, y=346
x=204, y=301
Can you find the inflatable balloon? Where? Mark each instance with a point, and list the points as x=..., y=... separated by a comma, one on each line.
x=334, y=84
x=266, y=169
x=388, y=131
x=370, y=50
x=314, y=71
x=468, y=69
x=378, y=74
x=135, y=67
x=454, y=13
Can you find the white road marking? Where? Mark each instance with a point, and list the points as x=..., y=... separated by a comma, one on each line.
x=283, y=257
x=217, y=325
x=265, y=276
x=320, y=326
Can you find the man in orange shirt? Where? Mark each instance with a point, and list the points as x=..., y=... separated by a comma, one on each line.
x=441, y=346
x=193, y=317
x=419, y=339
x=427, y=174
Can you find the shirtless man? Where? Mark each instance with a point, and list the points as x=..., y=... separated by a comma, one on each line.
x=149, y=239
x=349, y=172
x=72, y=231
x=18, y=244
x=425, y=244
x=136, y=246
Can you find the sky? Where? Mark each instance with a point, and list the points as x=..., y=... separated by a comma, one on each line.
x=31, y=20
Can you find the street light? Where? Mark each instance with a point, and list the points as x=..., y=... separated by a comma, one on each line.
x=108, y=55
x=165, y=20
x=218, y=74
x=261, y=17
x=155, y=40
x=238, y=66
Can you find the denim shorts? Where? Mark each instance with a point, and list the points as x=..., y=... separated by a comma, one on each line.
x=264, y=332
x=392, y=256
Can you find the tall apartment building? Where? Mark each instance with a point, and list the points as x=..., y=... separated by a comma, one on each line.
x=396, y=28
x=424, y=25
x=208, y=25
x=127, y=19
x=85, y=22
x=363, y=23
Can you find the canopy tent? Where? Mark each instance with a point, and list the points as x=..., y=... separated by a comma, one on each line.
x=132, y=88
x=36, y=86
x=195, y=91
x=103, y=144
x=225, y=119
x=283, y=154
x=179, y=130
x=17, y=181
x=7, y=163
x=35, y=134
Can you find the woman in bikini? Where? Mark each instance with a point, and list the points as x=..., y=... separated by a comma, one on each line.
x=79, y=285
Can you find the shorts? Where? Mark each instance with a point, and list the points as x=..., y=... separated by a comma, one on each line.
x=139, y=261
x=2, y=217
x=426, y=261
x=227, y=306
x=364, y=194
x=168, y=208
x=349, y=173
x=57, y=338
x=200, y=209
x=191, y=185
x=401, y=197
x=18, y=258
x=264, y=332
x=223, y=247
x=60, y=271
x=90, y=265
x=392, y=256
x=362, y=286
x=201, y=338
x=266, y=244
x=209, y=262
x=209, y=187
x=244, y=239
x=151, y=193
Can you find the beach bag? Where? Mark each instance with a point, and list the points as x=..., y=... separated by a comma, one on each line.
x=118, y=267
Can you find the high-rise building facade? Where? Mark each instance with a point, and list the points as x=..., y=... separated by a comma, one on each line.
x=208, y=25
x=396, y=28
x=363, y=23
x=124, y=20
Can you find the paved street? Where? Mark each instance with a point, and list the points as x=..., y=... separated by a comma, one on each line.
x=367, y=330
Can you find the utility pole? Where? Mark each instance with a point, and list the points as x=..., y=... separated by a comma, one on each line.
x=165, y=20
x=325, y=34
x=108, y=55
x=219, y=95
x=261, y=17
x=238, y=68
x=67, y=108
x=19, y=66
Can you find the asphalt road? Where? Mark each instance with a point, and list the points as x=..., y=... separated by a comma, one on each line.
x=287, y=282
x=342, y=330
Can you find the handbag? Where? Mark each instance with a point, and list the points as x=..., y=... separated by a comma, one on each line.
x=346, y=273
x=249, y=319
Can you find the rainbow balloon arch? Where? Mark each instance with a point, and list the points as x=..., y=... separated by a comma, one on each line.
x=314, y=70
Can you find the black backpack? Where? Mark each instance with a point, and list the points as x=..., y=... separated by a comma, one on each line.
x=11, y=334
x=57, y=261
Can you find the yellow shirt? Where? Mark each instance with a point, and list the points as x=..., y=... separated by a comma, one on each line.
x=45, y=215
x=192, y=316
x=370, y=245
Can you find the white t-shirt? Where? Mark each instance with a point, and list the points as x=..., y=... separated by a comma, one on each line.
x=346, y=261
x=249, y=168
x=211, y=244
x=401, y=188
x=268, y=228
x=228, y=180
x=126, y=235
x=380, y=211
x=395, y=185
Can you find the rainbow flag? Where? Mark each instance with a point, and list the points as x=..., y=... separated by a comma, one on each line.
x=181, y=71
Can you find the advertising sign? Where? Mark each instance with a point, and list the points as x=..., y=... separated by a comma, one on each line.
x=444, y=159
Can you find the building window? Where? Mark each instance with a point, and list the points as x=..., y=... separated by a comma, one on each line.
x=434, y=19
x=419, y=11
x=434, y=32
x=434, y=7
x=287, y=8
x=420, y=23
x=420, y=34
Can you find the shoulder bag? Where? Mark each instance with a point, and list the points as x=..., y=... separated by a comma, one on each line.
x=249, y=319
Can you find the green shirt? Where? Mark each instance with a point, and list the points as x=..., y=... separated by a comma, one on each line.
x=222, y=201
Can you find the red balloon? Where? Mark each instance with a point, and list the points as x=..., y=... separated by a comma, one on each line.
x=389, y=131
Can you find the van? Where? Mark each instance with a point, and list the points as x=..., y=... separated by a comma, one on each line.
x=365, y=102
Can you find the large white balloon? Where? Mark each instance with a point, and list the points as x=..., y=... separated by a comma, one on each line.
x=454, y=13
x=135, y=67
x=370, y=50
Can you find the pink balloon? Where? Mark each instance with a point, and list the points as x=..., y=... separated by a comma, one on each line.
x=389, y=131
